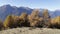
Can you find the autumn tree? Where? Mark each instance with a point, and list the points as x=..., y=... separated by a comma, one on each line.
x=46, y=18
x=55, y=22
x=16, y=21
x=8, y=23
x=34, y=18
x=24, y=19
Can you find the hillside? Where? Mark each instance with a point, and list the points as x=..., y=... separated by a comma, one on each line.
x=27, y=30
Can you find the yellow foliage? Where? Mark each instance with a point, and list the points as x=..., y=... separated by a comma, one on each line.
x=8, y=21
x=23, y=15
x=56, y=20
x=34, y=18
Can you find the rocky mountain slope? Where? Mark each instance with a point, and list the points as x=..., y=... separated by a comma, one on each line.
x=6, y=10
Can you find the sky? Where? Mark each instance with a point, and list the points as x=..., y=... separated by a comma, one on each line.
x=44, y=4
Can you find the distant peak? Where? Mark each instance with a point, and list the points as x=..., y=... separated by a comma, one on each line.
x=24, y=7
x=7, y=5
x=57, y=10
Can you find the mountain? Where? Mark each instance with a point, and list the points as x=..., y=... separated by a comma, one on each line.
x=53, y=14
x=6, y=10
x=56, y=13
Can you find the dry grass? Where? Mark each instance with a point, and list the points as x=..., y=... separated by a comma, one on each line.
x=25, y=30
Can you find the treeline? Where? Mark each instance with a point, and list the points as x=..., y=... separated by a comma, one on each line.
x=35, y=19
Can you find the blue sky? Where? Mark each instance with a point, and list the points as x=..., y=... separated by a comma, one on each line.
x=46, y=4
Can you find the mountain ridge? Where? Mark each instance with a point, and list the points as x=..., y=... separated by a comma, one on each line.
x=6, y=10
